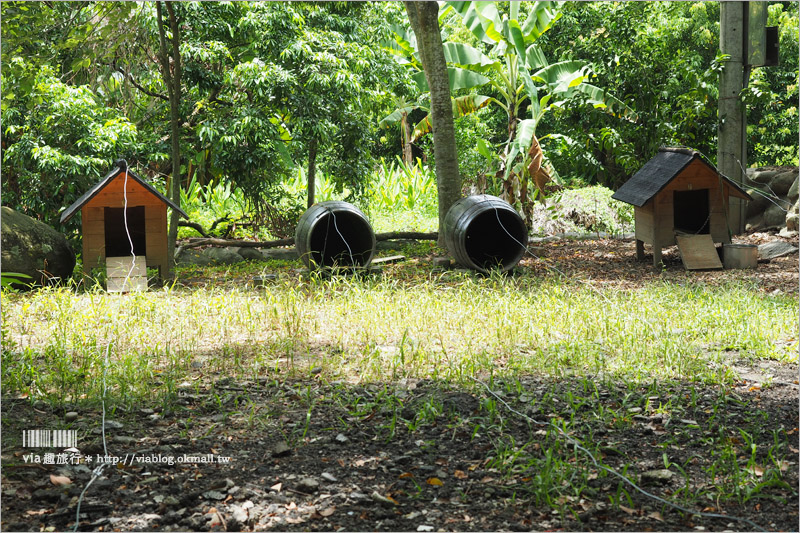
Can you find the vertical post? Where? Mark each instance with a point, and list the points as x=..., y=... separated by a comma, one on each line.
x=731, y=150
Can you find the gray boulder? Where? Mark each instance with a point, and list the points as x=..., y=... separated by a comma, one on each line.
x=764, y=176
x=249, y=253
x=774, y=216
x=280, y=254
x=793, y=191
x=755, y=223
x=781, y=183
x=793, y=217
x=222, y=256
x=758, y=203
x=191, y=257
x=34, y=248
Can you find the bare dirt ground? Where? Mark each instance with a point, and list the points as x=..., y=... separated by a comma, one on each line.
x=307, y=454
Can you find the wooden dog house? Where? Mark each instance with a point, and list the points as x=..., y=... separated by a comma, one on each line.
x=103, y=218
x=678, y=192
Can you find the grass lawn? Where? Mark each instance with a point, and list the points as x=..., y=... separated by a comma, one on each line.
x=616, y=360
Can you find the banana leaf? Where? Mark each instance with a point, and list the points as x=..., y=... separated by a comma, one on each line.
x=460, y=78
x=463, y=105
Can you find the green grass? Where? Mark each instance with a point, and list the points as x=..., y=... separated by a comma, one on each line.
x=448, y=326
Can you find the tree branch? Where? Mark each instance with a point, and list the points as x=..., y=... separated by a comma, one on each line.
x=195, y=242
x=146, y=91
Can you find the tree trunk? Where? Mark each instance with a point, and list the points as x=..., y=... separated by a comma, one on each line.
x=424, y=18
x=312, y=171
x=408, y=158
x=172, y=79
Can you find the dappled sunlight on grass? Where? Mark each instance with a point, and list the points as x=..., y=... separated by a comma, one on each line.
x=449, y=326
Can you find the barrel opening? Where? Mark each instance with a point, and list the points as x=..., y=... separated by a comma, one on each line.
x=494, y=238
x=341, y=238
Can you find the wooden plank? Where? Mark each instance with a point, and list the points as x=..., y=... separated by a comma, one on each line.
x=389, y=259
x=119, y=267
x=698, y=252
x=126, y=274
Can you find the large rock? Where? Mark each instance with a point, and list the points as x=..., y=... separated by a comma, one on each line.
x=781, y=183
x=774, y=216
x=758, y=203
x=793, y=217
x=222, y=256
x=793, y=191
x=249, y=253
x=34, y=248
x=764, y=176
x=192, y=257
x=280, y=254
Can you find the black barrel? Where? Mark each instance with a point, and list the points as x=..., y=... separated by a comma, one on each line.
x=483, y=232
x=334, y=234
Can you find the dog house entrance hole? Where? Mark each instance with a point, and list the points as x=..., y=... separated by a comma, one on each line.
x=691, y=211
x=117, y=243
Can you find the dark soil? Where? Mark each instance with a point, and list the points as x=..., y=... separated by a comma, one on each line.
x=305, y=453
x=308, y=455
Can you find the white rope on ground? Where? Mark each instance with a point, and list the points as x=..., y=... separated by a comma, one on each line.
x=575, y=442
x=613, y=472
x=98, y=470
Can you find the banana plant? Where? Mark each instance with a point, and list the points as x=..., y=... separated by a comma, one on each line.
x=522, y=73
x=404, y=46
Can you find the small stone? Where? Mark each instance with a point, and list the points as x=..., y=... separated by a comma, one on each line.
x=171, y=501
x=146, y=412
x=113, y=424
x=281, y=449
x=341, y=438
x=383, y=500
x=197, y=364
x=660, y=476
x=441, y=262
x=124, y=439
x=424, y=527
x=308, y=485
x=72, y=416
x=316, y=370
x=214, y=495
x=634, y=410
x=329, y=477
x=239, y=515
x=155, y=417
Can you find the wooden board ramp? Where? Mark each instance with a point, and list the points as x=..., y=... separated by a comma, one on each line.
x=698, y=252
x=126, y=274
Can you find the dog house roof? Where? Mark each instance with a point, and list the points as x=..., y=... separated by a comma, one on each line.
x=656, y=174
x=119, y=167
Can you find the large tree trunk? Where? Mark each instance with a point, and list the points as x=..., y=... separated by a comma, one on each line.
x=172, y=79
x=424, y=18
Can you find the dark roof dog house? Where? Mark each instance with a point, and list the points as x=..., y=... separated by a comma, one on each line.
x=103, y=220
x=678, y=192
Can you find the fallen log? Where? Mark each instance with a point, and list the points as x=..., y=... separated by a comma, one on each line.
x=194, y=242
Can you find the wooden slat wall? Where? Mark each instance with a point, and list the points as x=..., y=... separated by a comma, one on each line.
x=93, y=225
x=155, y=219
x=643, y=217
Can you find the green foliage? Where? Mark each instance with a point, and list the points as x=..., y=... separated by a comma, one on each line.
x=591, y=209
x=662, y=57
x=58, y=141
x=772, y=97
x=398, y=187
